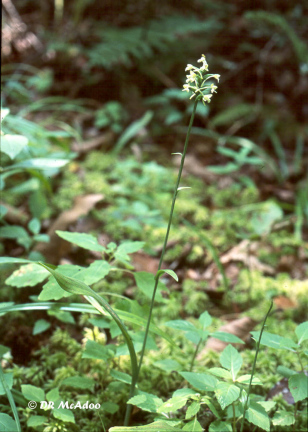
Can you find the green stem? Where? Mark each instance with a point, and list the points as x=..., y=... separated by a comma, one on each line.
x=254, y=366
x=300, y=361
x=10, y=398
x=194, y=356
x=234, y=420
x=295, y=413
x=167, y=233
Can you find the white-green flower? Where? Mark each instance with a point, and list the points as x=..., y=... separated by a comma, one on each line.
x=196, y=81
x=191, y=77
x=189, y=67
x=204, y=66
x=207, y=98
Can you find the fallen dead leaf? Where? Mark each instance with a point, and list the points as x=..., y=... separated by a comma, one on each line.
x=244, y=252
x=56, y=248
x=284, y=303
x=195, y=167
x=85, y=146
x=143, y=262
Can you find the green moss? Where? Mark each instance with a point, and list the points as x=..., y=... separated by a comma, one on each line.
x=234, y=195
x=256, y=288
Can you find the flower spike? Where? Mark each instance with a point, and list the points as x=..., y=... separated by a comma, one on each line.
x=195, y=81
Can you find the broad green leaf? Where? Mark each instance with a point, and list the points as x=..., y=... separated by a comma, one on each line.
x=67, y=283
x=200, y=381
x=230, y=359
x=3, y=210
x=34, y=226
x=226, y=394
x=63, y=414
x=99, y=322
x=274, y=341
x=95, y=350
x=4, y=349
x=173, y=404
x=33, y=393
x=145, y=282
x=52, y=291
x=12, y=145
x=110, y=407
x=138, y=338
x=126, y=248
x=121, y=376
x=220, y=426
x=192, y=410
x=36, y=420
x=184, y=392
x=193, y=426
x=18, y=233
x=9, y=380
x=285, y=371
x=168, y=365
x=95, y=272
x=7, y=424
x=63, y=316
x=40, y=326
x=53, y=395
x=205, y=319
x=160, y=426
x=82, y=240
x=27, y=275
x=132, y=131
x=196, y=335
x=169, y=272
x=221, y=373
x=283, y=418
x=226, y=337
x=180, y=325
x=298, y=385
x=245, y=379
x=302, y=332
x=257, y=415
x=38, y=203
x=267, y=405
x=146, y=401
x=79, y=382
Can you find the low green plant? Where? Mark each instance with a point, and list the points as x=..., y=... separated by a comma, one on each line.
x=198, y=334
x=233, y=403
x=27, y=153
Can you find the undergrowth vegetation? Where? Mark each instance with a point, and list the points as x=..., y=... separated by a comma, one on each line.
x=117, y=313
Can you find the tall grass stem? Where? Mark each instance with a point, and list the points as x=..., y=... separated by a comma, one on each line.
x=167, y=232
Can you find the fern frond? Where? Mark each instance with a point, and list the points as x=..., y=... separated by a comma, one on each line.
x=125, y=45
x=299, y=46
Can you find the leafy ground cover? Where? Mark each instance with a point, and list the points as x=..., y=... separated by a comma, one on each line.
x=86, y=186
